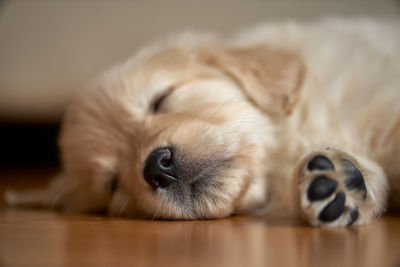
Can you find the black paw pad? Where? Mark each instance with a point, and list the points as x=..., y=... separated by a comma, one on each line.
x=320, y=188
x=334, y=209
x=354, y=180
x=353, y=216
x=320, y=163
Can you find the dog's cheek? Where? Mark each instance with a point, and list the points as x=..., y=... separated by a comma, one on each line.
x=119, y=204
x=131, y=205
x=218, y=195
x=254, y=197
x=251, y=161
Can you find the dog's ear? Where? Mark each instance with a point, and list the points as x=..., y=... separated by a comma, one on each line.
x=270, y=78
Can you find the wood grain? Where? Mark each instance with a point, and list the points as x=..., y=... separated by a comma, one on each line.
x=44, y=238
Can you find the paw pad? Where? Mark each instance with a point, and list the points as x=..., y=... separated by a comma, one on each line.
x=353, y=216
x=334, y=209
x=354, y=180
x=320, y=163
x=321, y=188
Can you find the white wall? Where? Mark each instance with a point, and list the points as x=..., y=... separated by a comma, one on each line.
x=48, y=49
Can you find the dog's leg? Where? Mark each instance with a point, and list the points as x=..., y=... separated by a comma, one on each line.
x=41, y=197
x=28, y=198
x=338, y=189
x=70, y=195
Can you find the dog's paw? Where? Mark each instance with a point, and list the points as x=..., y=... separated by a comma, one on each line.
x=333, y=191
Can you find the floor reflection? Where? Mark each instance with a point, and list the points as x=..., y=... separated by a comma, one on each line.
x=238, y=241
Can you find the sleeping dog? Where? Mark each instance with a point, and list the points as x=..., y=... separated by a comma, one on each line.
x=295, y=118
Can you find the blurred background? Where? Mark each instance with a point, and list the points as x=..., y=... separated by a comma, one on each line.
x=50, y=48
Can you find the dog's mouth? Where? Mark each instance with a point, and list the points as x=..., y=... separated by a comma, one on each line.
x=187, y=182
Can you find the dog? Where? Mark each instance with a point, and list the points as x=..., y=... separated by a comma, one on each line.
x=301, y=119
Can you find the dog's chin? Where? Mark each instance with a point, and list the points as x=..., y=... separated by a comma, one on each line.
x=172, y=206
x=214, y=197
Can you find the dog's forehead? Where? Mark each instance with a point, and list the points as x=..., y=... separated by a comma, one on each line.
x=168, y=65
x=138, y=81
x=127, y=90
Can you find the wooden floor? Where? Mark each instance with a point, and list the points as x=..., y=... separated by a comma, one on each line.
x=43, y=238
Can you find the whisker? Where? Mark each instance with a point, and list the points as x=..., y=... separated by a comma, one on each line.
x=158, y=209
x=65, y=191
x=123, y=207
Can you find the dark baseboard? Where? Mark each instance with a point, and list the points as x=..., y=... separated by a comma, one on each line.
x=28, y=144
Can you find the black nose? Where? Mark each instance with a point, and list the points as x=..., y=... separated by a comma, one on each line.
x=160, y=168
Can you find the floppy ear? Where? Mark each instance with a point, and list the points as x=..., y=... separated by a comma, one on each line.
x=270, y=78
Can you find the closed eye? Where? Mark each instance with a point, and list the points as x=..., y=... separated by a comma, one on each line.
x=157, y=103
x=114, y=183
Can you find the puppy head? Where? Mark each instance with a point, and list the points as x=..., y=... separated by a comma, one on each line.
x=180, y=132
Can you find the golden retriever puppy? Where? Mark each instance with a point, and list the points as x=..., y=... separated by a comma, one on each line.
x=294, y=118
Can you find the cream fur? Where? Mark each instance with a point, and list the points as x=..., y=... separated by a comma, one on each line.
x=346, y=106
